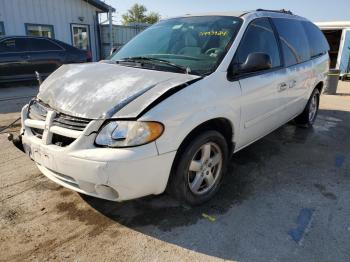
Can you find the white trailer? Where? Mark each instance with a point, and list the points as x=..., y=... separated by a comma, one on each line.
x=338, y=36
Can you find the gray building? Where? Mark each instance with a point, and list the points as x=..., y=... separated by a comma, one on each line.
x=121, y=34
x=72, y=21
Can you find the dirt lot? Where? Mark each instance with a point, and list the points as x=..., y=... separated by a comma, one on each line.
x=286, y=198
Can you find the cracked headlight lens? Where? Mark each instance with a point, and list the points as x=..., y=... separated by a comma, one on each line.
x=128, y=133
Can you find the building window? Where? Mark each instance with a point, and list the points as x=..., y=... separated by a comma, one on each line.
x=40, y=30
x=2, y=29
x=80, y=36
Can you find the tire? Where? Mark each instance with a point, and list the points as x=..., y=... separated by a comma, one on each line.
x=197, y=174
x=308, y=116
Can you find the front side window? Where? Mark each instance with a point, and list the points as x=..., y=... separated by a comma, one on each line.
x=2, y=28
x=81, y=36
x=40, y=30
x=196, y=43
x=259, y=38
x=294, y=41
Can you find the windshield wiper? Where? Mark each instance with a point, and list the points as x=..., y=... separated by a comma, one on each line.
x=187, y=70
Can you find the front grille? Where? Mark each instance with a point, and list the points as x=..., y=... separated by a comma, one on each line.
x=69, y=122
x=38, y=111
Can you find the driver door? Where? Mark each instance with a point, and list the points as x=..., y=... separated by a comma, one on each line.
x=261, y=90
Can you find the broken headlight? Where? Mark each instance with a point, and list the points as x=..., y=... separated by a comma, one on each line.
x=128, y=133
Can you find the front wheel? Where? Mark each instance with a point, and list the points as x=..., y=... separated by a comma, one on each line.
x=308, y=116
x=199, y=168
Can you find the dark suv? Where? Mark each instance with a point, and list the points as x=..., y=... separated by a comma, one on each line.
x=21, y=56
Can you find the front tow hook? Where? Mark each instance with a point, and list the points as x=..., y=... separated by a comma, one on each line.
x=16, y=141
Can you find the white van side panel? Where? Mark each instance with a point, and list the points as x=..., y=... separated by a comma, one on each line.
x=301, y=79
x=260, y=107
x=321, y=69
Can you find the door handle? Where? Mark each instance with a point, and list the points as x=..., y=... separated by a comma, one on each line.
x=292, y=83
x=281, y=87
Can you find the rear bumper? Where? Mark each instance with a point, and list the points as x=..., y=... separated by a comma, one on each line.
x=108, y=173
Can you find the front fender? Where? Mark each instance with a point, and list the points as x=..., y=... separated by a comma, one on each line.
x=175, y=134
x=211, y=98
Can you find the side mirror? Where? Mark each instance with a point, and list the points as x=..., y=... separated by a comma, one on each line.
x=113, y=50
x=256, y=62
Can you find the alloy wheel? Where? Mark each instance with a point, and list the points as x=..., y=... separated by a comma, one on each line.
x=313, y=108
x=204, y=169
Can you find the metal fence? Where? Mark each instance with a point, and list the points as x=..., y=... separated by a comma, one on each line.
x=121, y=35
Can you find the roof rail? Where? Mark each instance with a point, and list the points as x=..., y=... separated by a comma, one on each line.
x=284, y=11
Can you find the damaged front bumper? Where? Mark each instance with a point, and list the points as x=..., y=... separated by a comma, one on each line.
x=108, y=173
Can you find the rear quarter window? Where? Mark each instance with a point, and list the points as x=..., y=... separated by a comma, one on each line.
x=317, y=41
x=294, y=41
x=13, y=45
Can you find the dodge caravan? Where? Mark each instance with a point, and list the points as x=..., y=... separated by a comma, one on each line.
x=166, y=111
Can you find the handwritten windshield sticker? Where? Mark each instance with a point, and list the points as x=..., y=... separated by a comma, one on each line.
x=214, y=33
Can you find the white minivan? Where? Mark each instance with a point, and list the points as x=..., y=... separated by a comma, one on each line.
x=169, y=108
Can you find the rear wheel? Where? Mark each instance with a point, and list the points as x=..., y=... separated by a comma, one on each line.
x=308, y=116
x=199, y=168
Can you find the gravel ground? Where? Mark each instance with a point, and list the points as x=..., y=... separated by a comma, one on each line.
x=285, y=199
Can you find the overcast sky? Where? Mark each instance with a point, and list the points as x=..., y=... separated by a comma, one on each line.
x=315, y=10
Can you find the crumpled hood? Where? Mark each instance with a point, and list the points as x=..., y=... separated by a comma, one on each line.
x=100, y=90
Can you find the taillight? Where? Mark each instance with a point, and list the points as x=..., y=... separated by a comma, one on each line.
x=89, y=56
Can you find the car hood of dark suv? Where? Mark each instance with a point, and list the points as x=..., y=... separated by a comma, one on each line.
x=104, y=90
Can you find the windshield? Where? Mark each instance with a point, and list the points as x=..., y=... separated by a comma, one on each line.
x=197, y=44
